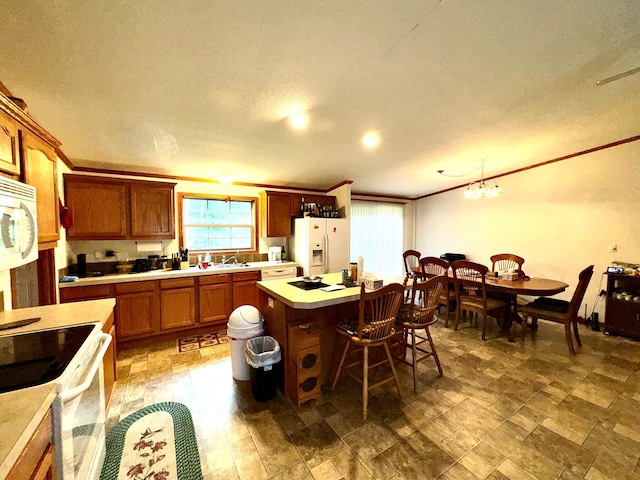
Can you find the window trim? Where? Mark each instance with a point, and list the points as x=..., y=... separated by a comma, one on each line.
x=256, y=225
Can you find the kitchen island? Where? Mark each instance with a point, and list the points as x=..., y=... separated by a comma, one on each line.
x=302, y=321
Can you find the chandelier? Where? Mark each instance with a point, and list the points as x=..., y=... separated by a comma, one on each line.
x=480, y=189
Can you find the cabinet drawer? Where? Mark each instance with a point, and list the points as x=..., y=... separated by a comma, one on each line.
x=90, y=292
x=132, y=287
x=246, y=276
x=214, y=279
x=177, y=283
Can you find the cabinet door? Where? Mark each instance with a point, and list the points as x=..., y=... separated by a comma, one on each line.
x=137, y=314
x=177, y=308
x=109, y=363
x=152, y=211
x=89, y=292
x=215, y=303
x=98, y=208
x=275, y=214
x=245, y=290
x=9, y=159
x=40, y=171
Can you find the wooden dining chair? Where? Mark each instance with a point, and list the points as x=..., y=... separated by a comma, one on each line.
x=507, y=261
x=411, y=260
x=469, y=279
x=567, y=315
x=433, y=267
x=374, y=327
x=416, y=315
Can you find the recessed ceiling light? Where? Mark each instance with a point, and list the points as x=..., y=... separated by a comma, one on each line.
x=371, y=140
x=299, y=121
x=225, y=178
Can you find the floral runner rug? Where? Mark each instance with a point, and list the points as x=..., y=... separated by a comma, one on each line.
x=196, y=342
x=157, y=442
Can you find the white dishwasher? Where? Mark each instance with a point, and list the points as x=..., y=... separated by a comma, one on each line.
x=279, y=273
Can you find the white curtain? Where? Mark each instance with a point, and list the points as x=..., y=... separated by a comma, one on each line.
x=376, y=236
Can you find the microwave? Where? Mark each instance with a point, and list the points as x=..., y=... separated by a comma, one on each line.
x=18, y=227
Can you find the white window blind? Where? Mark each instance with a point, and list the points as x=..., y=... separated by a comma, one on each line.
x=376, y=236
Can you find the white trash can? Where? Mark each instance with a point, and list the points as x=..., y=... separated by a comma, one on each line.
x=245, y=322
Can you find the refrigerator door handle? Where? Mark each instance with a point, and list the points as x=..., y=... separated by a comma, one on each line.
x=325, y=257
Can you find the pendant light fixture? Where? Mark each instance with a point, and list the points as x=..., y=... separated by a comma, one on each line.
x=480, y=189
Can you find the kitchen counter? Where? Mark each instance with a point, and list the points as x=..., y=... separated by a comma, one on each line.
x=300, y=299
x=165, y=274
x=21, y=411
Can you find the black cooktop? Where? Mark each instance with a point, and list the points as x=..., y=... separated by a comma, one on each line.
x=35, y=358
x=308, y=285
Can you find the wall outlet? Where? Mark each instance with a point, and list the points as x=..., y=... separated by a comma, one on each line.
x=97, y=255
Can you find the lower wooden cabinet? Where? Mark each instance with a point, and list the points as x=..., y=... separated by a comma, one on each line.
x=177, y=303
x=214, y=299
x=245, y=290
x=137, y=309
x=36, y=460
x=154, y=307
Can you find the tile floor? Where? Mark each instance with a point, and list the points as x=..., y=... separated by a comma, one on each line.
x=525, y=410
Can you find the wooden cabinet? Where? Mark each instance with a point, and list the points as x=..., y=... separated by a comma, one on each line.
x=214, y=298
x=275, y=214
x=36, y=460
x=114, y=209
x=40, y=171
x=109, y=362
x=152, y=210
x=277, y=208
x=177, y=303
x=89, y=292
x=622, y=314
x=98, y=207
x=245, y=290
x=137, y=309
x=9, y=158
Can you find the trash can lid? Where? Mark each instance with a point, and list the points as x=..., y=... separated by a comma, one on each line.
x=245, y=316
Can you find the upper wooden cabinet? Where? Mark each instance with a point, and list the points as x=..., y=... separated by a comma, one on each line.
x=9, y=158
x=277, y=208
x=40, y=170
x=108, y=208
x=275, y=214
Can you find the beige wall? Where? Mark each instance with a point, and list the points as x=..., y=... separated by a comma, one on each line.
x=560, y=217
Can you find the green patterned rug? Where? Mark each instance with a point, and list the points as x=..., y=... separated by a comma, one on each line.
x=157, y=442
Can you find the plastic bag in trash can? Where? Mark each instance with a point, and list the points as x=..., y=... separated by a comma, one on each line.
x=262, y=352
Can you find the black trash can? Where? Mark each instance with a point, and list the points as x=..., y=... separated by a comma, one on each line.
x=265, y=359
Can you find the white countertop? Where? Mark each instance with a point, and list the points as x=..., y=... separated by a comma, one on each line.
x=168, y=273
x=21, y=411
x=309, y=299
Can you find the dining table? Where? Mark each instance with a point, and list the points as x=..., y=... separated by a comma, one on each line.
x=510, y=289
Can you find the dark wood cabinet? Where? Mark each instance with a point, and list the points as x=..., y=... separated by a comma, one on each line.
x=114, y=209
x=36, y=460
x=245, y=289
x=622, y=314
x=177, y=303
x=214, y=298
x=277, y=208
x=275, y=214
x=137, y=309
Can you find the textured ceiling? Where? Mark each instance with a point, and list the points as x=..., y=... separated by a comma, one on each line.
x=200, y=88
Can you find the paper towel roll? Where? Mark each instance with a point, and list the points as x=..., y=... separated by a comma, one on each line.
x=149, y=246
x=360, y=269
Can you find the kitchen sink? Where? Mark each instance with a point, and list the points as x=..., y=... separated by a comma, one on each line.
x=229, y=265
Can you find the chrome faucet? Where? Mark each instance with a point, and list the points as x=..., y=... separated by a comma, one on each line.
x=227, y=261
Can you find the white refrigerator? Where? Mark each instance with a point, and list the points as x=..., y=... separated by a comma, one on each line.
x=321, y=245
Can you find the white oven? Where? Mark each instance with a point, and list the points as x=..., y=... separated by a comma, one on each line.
x=79, y=411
